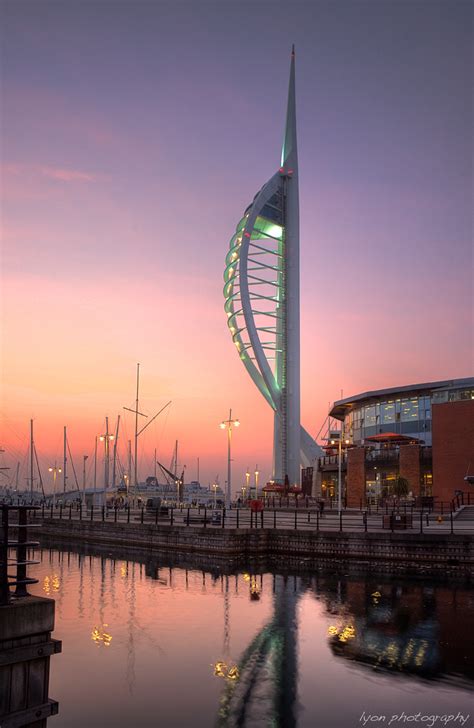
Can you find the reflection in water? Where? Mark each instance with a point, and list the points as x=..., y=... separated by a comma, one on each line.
x=264, y=688
x=231, y=643
x=409, y=628
x=100, y=636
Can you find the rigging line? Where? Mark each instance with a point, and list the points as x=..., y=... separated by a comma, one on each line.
x=72, y=463
x=154, y=418
x=39, y=470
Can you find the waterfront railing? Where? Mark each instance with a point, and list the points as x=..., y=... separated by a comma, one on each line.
x=445, y=518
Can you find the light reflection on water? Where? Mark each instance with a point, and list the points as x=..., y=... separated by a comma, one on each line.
x=150, y=645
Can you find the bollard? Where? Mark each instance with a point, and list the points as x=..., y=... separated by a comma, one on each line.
x=80, y=512
x=172, y=516
x=274, y=519
x=115, y=514
x=205, y=516
x=61, y=512
x=141, y=515
x=70, y=511
x=340, y=521
x=128, y=513
x=187, y=518
x=452, y=523
x=51, y=510
x=238, y=512
x=92, y=512
x=261, y=517
x=223, y=517
x=103, y=514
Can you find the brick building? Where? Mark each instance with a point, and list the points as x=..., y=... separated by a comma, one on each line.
x=422, y=432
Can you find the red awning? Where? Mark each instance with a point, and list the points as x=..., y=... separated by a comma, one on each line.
x=391, y=437
x=273, y=488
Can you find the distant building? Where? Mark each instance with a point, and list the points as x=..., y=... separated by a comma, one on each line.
x=422, y=432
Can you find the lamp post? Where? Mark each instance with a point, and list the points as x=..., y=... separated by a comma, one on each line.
x=214, y=488
x=84, y=458
x=246, y=488
x=227, y=424
x=340, y=439
x=54, y=470
x=106, y=440
x=256, y=482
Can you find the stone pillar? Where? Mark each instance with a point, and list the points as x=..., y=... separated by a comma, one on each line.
x=410, y=466
x=355, y=479
x=25, y=648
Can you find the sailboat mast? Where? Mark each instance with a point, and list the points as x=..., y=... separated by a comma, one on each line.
x=32, y=454
x=64, y=459
x=95, y=467
x=114, y=471
x=106, y=465
x=129, y=465
x=16, y=477
x=136, y=430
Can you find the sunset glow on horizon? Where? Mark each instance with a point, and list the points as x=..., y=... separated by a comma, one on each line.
x=131, y=146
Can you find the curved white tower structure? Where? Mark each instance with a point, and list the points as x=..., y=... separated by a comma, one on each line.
x=262, y=301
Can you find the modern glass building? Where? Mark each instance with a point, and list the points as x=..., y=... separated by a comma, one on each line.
x=261, y=291
x=421, y=432
x=403, y=411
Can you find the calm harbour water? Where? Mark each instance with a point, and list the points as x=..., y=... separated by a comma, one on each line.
x=149, y=645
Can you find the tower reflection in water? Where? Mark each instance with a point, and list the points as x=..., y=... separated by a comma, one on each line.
x=264, y=692
x=146, y=612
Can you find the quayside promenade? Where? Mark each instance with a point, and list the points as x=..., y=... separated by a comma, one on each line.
x=431, y=546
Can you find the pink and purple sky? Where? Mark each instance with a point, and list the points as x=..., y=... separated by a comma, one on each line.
x=133, y=136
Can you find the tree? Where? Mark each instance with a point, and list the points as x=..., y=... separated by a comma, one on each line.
x=401, y=487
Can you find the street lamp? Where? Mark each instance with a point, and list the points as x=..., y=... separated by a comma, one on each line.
x=256, y=482
x=106, y=440
x=214, y=488
x=84, y=458
x=55, y=470
x=227, y=424
x=246, y=488
x=339, y=439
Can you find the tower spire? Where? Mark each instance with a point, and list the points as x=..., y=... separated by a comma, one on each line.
x=289, y=150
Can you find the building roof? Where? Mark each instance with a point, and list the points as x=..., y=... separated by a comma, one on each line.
x=342, y=406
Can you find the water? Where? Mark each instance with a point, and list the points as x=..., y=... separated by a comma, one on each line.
x=149, y=645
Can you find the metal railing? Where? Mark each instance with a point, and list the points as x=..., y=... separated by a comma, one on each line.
x=374, y=519
x=20, y=547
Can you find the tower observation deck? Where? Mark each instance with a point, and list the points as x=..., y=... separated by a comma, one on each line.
x=262, y=292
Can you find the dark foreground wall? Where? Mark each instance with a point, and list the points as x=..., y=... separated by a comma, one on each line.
x=437, y=553
x=25, y=649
